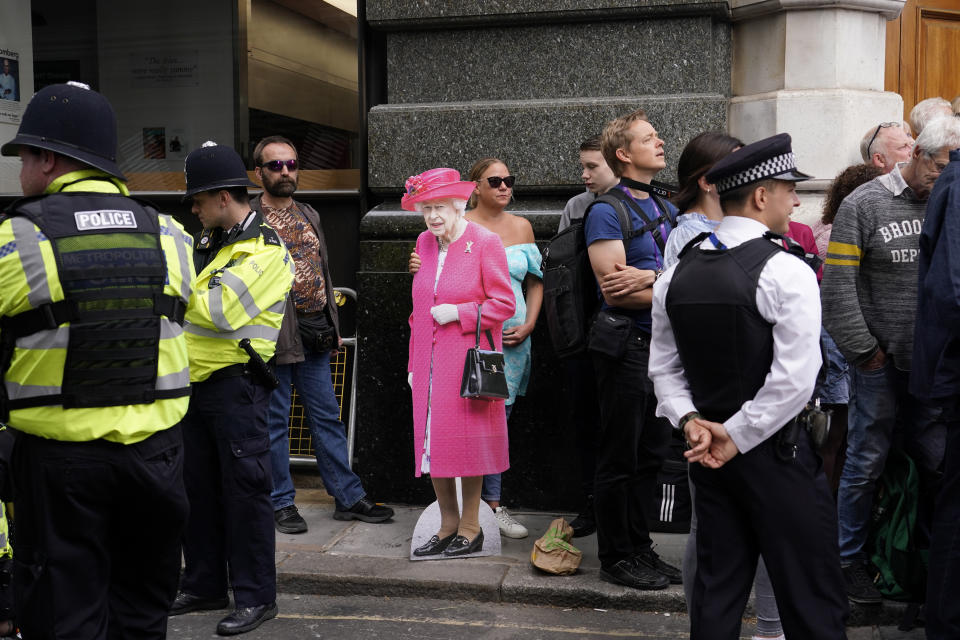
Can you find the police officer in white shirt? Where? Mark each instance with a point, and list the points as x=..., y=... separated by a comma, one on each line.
x=734, y=358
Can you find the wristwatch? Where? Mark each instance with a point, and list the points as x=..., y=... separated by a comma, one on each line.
x=687, y=418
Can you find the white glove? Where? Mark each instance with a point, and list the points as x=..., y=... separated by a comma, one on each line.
x=410, y=379
x=444, y=313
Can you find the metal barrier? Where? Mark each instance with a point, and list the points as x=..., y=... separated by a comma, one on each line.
x=343, y=374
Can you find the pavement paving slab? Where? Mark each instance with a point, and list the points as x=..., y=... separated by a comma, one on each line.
x=358, y=558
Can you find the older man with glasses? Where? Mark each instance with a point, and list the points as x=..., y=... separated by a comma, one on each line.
x=886, y=145
x=309, y=336
x=869, y=300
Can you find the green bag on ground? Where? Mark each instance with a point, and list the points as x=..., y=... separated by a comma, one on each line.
x=901, y=566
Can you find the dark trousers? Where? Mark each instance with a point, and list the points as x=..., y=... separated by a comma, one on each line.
x=632, y=443
x=585, y=414
x=755, y=505
x=228, y=480
x=98, y=536
x=943, y=579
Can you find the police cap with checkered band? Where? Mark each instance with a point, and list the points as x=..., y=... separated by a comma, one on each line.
x=767, y=159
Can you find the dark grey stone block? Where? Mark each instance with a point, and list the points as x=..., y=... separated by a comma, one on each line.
x=560, y=60
x=538, y=139
x=400, y=14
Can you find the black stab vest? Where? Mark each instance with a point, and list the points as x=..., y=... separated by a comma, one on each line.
x=725, y=345
x=112, y=270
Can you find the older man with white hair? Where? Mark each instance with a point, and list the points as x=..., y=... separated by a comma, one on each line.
x=885, y=145
x=869, y=300
x=928, y=110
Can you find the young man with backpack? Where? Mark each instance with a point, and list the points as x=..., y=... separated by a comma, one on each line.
x=625, y=235
x=598, y=178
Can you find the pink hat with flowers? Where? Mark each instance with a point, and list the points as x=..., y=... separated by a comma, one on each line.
x=435, y=184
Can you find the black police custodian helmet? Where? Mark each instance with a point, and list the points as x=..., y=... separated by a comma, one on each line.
x=214, y=166
x=73, y=120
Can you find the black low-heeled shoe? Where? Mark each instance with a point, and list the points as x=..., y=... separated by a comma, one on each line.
x=434, y=546
x=460, y=546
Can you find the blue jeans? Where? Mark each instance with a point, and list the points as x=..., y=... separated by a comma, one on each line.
x=835, y=388
x=315, y=388
x=882, y=414
x=493, y=483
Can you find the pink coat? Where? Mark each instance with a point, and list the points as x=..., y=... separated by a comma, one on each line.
x=467, y=437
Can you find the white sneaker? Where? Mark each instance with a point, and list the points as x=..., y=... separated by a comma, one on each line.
x=508, y=524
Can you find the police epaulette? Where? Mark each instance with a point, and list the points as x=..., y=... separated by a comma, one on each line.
x=270, y=236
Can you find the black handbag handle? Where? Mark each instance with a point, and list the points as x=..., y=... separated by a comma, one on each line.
x=489, y=335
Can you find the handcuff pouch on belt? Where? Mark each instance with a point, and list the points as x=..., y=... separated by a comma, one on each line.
x=814, y=420
x=316, y=332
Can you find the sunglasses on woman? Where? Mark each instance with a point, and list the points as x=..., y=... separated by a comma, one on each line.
x=496, y=181
x=277, y=165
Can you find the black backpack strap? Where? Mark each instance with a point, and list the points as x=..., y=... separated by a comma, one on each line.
x=626, y=224
x=665, y=211
x=651, y=226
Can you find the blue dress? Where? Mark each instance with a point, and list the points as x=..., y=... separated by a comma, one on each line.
x=521, y=259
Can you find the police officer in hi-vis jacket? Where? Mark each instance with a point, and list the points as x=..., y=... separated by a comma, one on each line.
x=244, y=274
x=95, y=379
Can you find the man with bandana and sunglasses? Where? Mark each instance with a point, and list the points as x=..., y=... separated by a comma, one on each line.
x=309, y=336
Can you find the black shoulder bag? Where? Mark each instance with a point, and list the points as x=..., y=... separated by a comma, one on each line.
x=483, y=374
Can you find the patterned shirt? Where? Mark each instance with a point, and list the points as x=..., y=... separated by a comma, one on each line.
x=309, y=295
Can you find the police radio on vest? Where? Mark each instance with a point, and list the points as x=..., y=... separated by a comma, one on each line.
x=105, y=219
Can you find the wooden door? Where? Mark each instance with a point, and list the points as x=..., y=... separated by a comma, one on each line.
x=923, y=51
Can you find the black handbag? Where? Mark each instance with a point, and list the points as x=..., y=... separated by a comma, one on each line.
x=483, y=374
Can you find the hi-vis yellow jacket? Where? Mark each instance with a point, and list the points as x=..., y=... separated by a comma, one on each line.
x=240, y=293
x=29, y=277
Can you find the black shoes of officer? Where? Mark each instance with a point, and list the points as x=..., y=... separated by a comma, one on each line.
x=289, y=520
x=434, y=546
x=187, y=602
x=246, y=619
x=460, y=546
x=632, y=573
x=859, y=583
x=365, y=510
x=651, y=560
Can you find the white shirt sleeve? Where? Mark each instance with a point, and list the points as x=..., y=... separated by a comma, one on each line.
x=787, y=297
x=669, y=382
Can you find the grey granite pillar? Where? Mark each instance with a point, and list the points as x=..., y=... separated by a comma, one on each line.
x=526, y=81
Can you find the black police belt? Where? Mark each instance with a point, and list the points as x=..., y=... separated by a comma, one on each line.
x=813, y=421
x=248, y=369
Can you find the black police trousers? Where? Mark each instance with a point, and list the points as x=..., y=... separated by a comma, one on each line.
x=98, y=527
x=228, y=478
x=759, y=504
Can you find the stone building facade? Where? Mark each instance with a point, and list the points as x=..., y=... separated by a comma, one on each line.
x=527, y=81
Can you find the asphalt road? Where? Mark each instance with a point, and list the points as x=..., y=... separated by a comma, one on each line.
x=358, y=617
x=347, y=618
